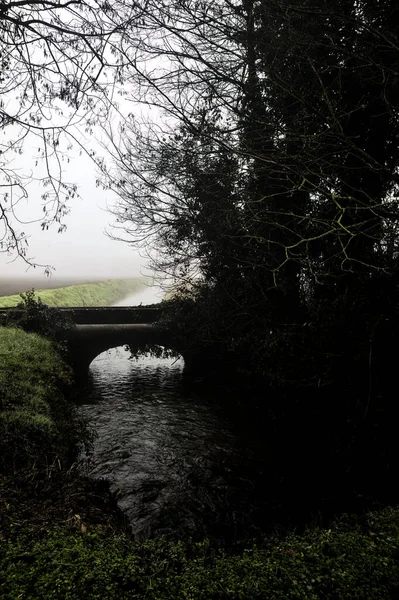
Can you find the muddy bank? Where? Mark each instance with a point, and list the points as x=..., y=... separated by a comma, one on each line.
x=56, y=499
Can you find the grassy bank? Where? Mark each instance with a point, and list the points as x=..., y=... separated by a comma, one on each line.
x=40, y=438
x=355, y=559
x=15, y=285
x=102, y=293
x=37, y=425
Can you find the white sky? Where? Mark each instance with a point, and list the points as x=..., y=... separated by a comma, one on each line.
x=83, y=250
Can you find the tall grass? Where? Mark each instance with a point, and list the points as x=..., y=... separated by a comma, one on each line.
x=102, y=293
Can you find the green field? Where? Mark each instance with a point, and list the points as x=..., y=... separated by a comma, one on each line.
x=101, y=293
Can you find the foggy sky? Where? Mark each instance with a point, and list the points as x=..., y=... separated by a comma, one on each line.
x=83, y=250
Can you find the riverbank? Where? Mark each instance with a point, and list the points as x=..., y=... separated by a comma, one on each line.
x=33, y=503
x=41, y=435
x=15, y=285
x=40, y=440
x=100, y=293
x=63, y=536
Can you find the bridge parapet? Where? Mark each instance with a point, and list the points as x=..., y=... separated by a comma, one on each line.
x=97, y=315
x=112, y=315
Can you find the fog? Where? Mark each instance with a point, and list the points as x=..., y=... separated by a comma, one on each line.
x=83, y=250
x=149, y=295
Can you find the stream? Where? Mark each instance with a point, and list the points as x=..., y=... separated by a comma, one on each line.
x=181, y=460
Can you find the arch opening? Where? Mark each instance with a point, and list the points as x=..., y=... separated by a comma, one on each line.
x=127, y=355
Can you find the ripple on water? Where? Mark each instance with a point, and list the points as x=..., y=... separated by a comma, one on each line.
x=171, y=455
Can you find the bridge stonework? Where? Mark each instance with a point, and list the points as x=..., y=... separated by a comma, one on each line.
x=98, y=329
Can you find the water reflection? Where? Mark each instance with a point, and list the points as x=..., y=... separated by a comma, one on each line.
x=178, y=462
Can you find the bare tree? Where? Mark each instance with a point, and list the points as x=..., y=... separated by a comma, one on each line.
x=304, y=95
x=59, y=64
x=188, y=72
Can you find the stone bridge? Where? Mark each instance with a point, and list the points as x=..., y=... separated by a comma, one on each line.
x=101, y=328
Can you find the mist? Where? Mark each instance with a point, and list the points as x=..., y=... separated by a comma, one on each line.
x=83, y=251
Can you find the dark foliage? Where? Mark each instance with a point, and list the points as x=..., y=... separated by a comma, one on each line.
x=275, y=200
x=33, y=315
x=355, y=559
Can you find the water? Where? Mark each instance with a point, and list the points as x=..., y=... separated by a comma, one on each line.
x=182, y=462
x=179, y=462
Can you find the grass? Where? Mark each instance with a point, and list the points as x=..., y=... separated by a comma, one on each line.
x=101, y=293
x=36, y=420
x=17, y=284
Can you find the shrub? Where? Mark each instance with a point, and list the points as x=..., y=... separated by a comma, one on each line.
x=39, y=318
x=354, y=560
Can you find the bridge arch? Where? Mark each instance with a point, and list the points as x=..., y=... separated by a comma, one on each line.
x=86, y=342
